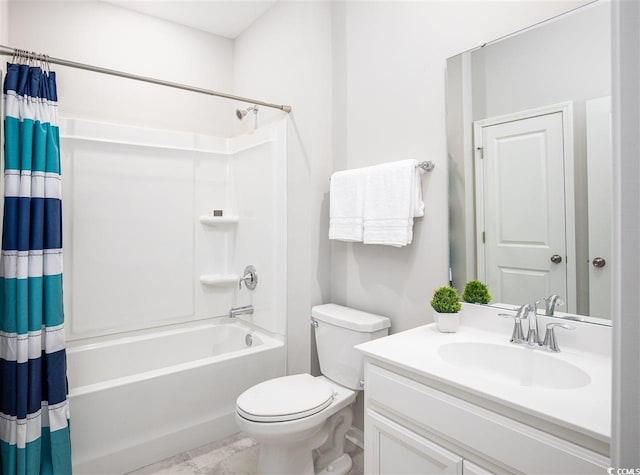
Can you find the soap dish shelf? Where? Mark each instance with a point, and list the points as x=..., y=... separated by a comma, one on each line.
x=219, y=279
x=217, y=220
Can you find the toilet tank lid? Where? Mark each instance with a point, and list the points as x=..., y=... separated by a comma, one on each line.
x=350, y=318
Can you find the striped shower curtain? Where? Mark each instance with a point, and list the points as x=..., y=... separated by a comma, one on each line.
x=34, y=416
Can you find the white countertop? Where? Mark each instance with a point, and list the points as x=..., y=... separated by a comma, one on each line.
x=585, y=409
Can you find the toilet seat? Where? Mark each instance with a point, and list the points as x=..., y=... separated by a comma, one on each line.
x=285, y=399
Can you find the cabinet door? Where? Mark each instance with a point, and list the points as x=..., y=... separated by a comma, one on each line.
x=469, y=468
x=395, y=450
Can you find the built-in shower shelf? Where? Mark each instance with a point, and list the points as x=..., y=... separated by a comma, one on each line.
x=219, y=279
x=217, y=220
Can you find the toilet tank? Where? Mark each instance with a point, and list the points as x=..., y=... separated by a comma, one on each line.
x=338, y=330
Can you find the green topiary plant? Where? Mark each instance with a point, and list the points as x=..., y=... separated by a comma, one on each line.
x=476, y=292
x=446, y=300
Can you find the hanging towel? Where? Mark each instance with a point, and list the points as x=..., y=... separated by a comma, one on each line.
x=392, y=198
x=346, y=205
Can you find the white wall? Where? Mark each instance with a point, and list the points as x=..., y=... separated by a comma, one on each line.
x=285, y=57
x=389, y=103
x=389, y=80
x=4, y=22
x=104, y=35
x=378, y=69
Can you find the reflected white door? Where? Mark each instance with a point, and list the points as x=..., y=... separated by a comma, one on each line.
x=523, y=188
x=599, y=181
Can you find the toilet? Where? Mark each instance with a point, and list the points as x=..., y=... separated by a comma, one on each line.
x=300, y=421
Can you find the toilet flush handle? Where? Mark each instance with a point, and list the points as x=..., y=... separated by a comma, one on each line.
x=314, y=323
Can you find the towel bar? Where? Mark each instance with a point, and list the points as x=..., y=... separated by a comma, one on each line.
x=427, y=165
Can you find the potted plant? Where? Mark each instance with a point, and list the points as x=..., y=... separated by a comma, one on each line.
x=476, y=292
x=446, y=308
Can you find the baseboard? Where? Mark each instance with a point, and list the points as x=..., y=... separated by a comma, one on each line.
x=356, y=436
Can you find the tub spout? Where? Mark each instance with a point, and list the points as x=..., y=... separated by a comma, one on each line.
x=246, y=310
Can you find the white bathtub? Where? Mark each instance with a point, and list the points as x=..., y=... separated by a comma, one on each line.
x=138, y=399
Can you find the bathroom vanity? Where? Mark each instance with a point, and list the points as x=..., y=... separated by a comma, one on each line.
x=471, y=402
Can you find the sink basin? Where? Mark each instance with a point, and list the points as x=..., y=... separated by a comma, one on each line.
x=515, y=365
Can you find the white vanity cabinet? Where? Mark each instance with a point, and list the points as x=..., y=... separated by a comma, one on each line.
x=413, y=428
x=392, y=448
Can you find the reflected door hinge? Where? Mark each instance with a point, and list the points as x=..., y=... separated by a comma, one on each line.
x=481, y=150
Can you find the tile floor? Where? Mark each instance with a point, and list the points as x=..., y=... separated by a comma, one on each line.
x=237, y=455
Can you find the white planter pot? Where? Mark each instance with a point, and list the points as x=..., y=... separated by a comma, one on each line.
x=447, y=322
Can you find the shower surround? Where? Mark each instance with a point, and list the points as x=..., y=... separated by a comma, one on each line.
x=150, y=276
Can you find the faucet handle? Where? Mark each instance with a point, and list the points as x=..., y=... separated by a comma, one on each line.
x=550, y=343
x=517, y=336
x=561, y=325
x=250, y=278
x=524, y=310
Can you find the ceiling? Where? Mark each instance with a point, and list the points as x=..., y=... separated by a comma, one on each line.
x=226, y=18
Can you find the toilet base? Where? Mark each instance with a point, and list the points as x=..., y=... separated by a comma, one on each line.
x=284, y=459
x=318, y=450
x=298, y=463
x=332, y=448
x=341, y=466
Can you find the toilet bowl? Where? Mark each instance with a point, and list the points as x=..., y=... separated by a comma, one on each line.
x=288, y=438
x=300, y=421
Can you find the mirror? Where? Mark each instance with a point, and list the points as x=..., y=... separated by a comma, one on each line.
x=529, y=140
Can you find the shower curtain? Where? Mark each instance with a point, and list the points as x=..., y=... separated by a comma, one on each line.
x=34, y=416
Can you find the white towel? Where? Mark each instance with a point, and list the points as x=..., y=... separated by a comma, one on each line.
x=392, y=198
x=346, y=205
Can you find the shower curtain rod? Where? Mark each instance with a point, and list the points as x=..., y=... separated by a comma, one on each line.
x=5, y=50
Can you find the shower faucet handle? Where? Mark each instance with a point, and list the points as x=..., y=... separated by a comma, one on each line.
x=250, y=278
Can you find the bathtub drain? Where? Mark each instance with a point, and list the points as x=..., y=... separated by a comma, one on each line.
x=248, y=339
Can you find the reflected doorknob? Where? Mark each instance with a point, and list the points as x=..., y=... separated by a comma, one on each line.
x=556, y=259
x=599, y=262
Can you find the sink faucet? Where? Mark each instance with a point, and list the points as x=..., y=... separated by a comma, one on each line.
x=533, y=340
x=551, y=303
x=246, y=310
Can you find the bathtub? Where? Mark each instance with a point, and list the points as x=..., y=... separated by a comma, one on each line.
x=135, y=400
